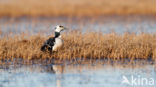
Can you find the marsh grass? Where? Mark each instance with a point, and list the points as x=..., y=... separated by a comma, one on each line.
x=76, y=7
x=89, y=45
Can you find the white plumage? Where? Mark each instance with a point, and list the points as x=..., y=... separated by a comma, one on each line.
x=58, y=43
x=53, y=43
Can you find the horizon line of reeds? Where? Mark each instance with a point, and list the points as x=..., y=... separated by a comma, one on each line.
x=76, y=8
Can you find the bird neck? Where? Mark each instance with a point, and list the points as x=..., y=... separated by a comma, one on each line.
x=57, y=34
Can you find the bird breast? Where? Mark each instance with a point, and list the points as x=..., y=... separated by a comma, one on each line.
x=58, y=43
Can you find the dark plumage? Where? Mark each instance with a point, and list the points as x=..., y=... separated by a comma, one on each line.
x=48, y=45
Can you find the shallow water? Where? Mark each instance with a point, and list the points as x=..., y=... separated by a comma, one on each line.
x=105, y=24
x=84, y=75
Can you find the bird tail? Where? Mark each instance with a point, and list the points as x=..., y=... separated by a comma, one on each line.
x=43, y=48
x=46, y=48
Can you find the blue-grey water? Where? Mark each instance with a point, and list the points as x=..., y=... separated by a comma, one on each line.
x=106, y=24
x=86, y=75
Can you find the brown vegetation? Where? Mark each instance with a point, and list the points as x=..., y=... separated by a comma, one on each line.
x=75, y=7
x=82, y=45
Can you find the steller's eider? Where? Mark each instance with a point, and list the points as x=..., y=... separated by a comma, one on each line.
x=53, y=43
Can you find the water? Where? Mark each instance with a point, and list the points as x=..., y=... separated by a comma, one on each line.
x=106, y=24
x=77, y=75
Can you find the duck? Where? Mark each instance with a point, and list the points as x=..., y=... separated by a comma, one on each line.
x=54, y=43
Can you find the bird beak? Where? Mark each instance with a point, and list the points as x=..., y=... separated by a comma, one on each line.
x=65, y=28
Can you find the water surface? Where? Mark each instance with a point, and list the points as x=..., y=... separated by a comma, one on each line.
x=76, y=75
x=105, y=24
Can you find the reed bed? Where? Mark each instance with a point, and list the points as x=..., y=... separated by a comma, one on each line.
x=75, y=7
x=88, y=45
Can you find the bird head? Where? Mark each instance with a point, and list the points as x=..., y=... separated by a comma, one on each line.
x=59, y=28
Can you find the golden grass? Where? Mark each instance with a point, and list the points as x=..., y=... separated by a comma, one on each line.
x=75, y=7
x=89, y=45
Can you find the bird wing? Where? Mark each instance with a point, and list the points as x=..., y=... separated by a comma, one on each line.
x=48, y=44
x=51, y=41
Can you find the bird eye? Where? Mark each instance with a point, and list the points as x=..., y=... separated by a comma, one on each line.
x=60, y=26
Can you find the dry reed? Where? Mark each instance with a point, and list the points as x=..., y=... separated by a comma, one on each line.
x=75, y=7
x=91, y=45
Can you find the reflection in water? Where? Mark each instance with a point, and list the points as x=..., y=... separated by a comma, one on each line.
x=68, y=75
x=59, y=69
